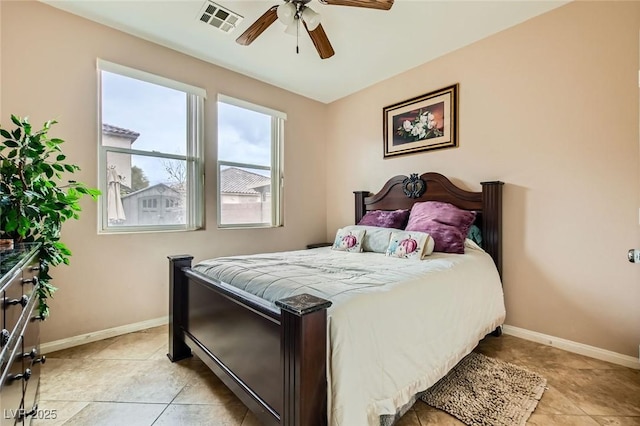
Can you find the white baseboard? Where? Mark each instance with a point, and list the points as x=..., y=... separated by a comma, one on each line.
x=575, y=347
x=70, y=342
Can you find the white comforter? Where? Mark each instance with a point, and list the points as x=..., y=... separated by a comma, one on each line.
x=396, y=326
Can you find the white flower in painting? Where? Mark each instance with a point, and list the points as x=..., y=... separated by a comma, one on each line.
x=423, y=126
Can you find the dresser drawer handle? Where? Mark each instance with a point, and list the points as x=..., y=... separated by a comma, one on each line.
x=22, y=301
x=35, y=268
x=24, y=376
x=38, y=318
x=32, y=354
x=25, y=414
x=5, y=335
x=40, y=360
x=33, y=281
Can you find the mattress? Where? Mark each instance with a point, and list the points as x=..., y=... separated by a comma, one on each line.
x=396, y=326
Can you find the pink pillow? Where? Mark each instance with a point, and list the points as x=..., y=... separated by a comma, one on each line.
x=447, y=224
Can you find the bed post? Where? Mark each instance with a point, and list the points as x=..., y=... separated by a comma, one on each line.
x=304, y=360
x=178, y=295
x=360, y=207
x=492, y=220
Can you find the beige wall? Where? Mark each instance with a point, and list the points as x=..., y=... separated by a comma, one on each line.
x=49, y=71
x=551, y=108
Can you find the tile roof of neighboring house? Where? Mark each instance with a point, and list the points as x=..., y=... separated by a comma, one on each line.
x=161, y=186
x=108, y=129
x=238, y=181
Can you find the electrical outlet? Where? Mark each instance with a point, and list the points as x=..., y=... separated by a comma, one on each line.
x=634, y=256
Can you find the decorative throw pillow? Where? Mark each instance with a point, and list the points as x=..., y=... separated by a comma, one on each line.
x=410, y=245
x=475, y=235
x=350, y=241
x=385, y=218
x=446, y=223
x=376, y=239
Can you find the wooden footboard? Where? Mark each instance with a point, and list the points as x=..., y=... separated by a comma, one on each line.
x=273, y=359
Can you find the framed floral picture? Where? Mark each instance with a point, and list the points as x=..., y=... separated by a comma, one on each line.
x=423, y=123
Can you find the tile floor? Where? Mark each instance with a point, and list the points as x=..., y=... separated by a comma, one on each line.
x=128, y=380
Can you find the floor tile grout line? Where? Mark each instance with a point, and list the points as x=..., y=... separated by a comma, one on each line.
x=106, y=402
x=110, y=402
x=245, y=417
x=159, y=415
x=170, y=402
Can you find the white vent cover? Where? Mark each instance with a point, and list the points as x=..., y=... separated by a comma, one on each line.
x=219, y=17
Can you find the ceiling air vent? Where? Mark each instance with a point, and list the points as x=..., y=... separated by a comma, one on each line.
x=219, y=17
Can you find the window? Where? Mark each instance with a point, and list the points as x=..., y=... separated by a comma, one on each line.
x=150, y=153
x=250, y=176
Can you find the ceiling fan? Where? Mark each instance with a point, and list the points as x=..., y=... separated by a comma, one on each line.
x=294, y=13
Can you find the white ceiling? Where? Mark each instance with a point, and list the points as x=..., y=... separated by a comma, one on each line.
x=370, y=45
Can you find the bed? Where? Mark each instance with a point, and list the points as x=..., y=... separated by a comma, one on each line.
x=342, y=355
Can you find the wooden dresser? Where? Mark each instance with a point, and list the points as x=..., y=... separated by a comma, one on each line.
x=20, y=357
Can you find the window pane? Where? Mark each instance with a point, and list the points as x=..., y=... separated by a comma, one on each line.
x=143, y=116
x=245, y=196
x=244, y=136
x=144, y=190
x=249, y=158
x=146, y=118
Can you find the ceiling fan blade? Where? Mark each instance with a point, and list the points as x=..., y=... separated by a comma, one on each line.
x=258, y=27
x=371, y=4
x=320, y=41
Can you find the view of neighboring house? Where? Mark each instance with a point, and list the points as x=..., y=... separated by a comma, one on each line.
x=158, y=204
x=245, y=196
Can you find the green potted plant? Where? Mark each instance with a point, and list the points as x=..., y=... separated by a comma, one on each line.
x=35, y=196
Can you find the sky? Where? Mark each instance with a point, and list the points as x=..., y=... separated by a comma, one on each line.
x=159, y=114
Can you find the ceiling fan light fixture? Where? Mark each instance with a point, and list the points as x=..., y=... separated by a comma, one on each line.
x=311, y=18
x=292, y=28
x=287, y=13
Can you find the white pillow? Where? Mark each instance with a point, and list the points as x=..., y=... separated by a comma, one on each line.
x=410, y=245
x=376, y=238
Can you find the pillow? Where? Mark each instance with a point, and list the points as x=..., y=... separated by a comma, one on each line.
x=447, y=224
x=350, y=241
x=375, y=239
x=472, y=245
x=410, y=245
x=475, y=235
x=385, y=218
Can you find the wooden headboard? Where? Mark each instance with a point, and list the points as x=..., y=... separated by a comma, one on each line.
x=401, y=192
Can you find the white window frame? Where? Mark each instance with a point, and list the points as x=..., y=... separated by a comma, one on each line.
x=194, y=156
x=277, y=166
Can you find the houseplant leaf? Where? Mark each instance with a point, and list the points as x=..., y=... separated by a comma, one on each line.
x=34, y=202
